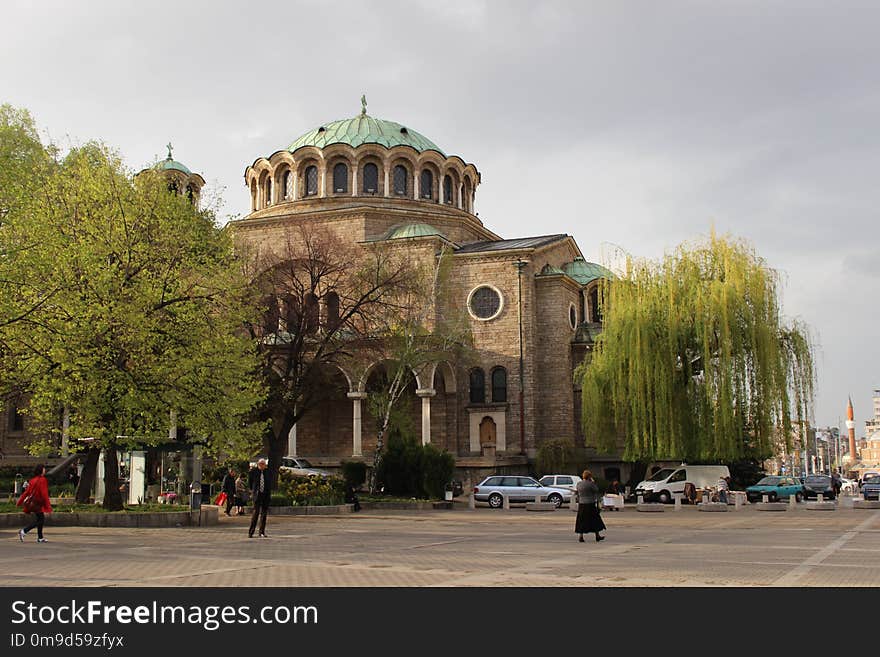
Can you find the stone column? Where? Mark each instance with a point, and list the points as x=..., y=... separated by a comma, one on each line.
x=291, y=441
x=295, y=184
x=416, y=186
x=354, y=181
x=426, y=395
x=460, y=195
x=356, y=398
x=387, y=186
x=322, y=180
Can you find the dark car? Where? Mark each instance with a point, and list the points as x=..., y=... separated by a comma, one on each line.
x=814, y=485
x=871, y=487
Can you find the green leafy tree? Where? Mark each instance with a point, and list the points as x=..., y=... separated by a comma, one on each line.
x=143, y=314
x=695, y=361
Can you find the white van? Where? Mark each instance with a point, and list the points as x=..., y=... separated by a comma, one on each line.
x=668, y=481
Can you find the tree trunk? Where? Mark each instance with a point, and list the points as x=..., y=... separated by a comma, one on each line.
x=112, y=494
x=87, y=478
x=275, y=445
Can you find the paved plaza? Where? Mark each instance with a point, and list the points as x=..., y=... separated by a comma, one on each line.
x=484, y=547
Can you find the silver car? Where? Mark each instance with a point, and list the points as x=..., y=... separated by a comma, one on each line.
x=518, y=489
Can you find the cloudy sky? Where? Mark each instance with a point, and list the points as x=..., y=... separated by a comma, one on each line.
x=630, y=124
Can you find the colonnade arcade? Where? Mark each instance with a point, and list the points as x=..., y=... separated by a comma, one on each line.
x=432, y=387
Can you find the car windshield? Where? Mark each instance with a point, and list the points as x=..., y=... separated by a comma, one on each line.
x=304, y=464
x=817, y=479
x=871, y=479
x=661, y=475
x=769, y=481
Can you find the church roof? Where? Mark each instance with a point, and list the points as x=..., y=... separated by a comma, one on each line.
x=586, y=272
x=365, y=129
x=168, y=163
x=504, y=245
x=411, y=230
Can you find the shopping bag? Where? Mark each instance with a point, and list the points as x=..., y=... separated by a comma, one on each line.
x=221, y=499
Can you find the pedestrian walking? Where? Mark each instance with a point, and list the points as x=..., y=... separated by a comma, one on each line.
x=35, y=499
x=588, y=517
x=228, y=487
x=241, y=494
x=261, y=492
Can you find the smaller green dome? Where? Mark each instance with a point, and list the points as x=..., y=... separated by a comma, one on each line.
x=412, y=230
x=168, y=163
x=586, y=272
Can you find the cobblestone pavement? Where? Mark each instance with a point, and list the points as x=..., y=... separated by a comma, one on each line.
x=484, y=547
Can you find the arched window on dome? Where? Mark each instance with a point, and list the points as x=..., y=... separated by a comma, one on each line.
x=594, y=304
x=447, y=190
x=426, y=184
x=285, y=185
x=312, y=181
x=371, y=179
x=477, y=386
x=499, y=385
x=340, y=179
x=190, y=194
x=253, y=195
x=400, y=175
x=267, y=191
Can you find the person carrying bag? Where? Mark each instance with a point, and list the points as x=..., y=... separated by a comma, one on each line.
x=35, y=499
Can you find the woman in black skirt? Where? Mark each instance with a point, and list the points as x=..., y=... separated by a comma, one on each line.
x=588, y=518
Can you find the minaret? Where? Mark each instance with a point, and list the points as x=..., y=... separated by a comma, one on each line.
x=851, y=427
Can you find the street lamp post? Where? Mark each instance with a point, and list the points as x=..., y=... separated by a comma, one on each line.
x=520, y=264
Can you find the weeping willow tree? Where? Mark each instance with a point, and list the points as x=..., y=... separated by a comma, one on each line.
x=695, y=361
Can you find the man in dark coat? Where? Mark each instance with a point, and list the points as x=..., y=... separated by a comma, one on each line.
x=261, y=492
x=228, y=487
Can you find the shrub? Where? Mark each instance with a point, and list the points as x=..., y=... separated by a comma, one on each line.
x=311, y=490
x=438, y=468
x=279, y=500
x=354, y=473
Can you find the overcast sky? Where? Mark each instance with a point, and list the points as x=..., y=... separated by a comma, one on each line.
x=638, y=124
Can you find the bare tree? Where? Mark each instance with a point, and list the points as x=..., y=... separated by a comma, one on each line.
x=322, y=299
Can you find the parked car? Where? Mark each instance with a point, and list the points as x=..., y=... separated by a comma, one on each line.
x=848, y=486
x=816, y=484
x=569, y=482
x=518, y=489
x=776, y=488
x=296, y=465
x=871, y=487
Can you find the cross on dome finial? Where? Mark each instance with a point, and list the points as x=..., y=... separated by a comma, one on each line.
x=364, y=105
x=169, y=146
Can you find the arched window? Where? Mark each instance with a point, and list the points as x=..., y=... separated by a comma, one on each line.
x=270, y=314
x=267, y=190
x=312, y=181
x=478, y=386
x=172, y=186
x=499, y=385
x=447, y=189
x=190, y=194
x=426, y=184
x=584, y=307
x=285, y=185
x=371, y=179
x=594, y=304
x=340, y=178
x=400, y=175
x=331, y=304
x=292, y=316
x=312, y=313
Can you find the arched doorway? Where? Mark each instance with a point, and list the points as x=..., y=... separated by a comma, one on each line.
x=488, y=432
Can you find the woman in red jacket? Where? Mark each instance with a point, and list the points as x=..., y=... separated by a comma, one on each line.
x=39, y=488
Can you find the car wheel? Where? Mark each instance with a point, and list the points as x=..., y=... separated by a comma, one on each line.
x=556, y=498
x=495, y=501
x=664, y=497
x=798, y=497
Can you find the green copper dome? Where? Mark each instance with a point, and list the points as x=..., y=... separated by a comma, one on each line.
x=412, y=230
x=585, y=272
x=364, y=129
